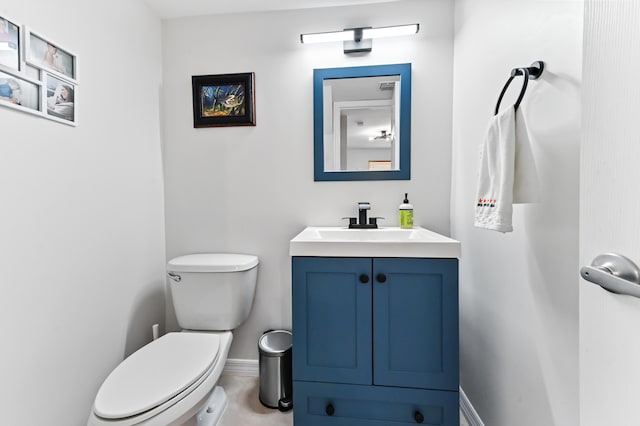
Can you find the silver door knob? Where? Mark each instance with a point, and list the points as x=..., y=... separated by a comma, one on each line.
x=615, y=273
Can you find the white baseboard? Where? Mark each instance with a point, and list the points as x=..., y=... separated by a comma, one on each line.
x=242, y=367
x=469, y=412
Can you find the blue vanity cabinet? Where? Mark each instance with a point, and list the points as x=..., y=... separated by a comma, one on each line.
x=375, y=341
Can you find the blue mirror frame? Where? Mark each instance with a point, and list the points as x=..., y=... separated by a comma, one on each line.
x=319, y=75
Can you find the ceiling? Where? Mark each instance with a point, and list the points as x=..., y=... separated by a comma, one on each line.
x=167, y=9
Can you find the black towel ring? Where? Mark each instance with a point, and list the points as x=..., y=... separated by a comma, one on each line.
x=530, y=73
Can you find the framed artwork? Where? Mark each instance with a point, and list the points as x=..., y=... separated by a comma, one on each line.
x=223, y=100
x=379, y=164
x=36, y=75
x=9, y=44
x=48, y=56
x=20, y=93
x=60, y=99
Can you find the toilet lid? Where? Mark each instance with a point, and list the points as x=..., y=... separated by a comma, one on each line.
x=156, y=373
x=212, y=262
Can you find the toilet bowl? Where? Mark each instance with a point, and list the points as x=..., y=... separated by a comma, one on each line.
x=164, y=383
x=173, y=378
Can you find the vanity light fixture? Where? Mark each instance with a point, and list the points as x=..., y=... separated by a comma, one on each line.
x=359, y=39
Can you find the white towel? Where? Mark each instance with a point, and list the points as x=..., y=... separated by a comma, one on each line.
x=526, y=185
x=494, y=199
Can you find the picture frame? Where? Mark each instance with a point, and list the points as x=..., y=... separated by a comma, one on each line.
x=20, y=92
x=60, y=99
x=41, y=53
x=379, y=165
x=10, y=51
x=224, y=100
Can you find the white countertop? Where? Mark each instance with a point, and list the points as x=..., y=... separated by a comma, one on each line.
x=382, y=242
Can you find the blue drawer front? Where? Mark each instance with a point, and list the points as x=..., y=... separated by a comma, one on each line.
x=355, y=405
x=332, y=320
x=415, y=323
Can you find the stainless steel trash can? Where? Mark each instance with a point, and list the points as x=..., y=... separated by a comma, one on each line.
x=276, y=382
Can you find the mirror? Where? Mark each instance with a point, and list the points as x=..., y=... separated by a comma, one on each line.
x=362, y=123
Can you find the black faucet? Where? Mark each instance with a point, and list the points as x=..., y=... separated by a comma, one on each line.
x=361, y=221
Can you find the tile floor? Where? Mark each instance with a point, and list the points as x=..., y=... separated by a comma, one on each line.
x=245, y=409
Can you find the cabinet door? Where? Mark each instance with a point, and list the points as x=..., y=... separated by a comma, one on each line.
x=415, y=322
x=332, y=319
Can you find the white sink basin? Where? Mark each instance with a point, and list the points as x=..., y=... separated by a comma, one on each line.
x=382, y=242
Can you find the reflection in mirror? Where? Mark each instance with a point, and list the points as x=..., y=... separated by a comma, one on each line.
x=361, y=127
x=362, y=123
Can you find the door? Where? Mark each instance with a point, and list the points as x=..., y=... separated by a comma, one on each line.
x=415, y=323
x=610, y=211
x=332, y=319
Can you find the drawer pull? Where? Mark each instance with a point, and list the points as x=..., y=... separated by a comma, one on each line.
x=418, y=417
x=364, y=278
x=330, y=410
x=381, y=278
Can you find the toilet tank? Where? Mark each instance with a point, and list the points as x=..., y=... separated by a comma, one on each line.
x=212, y=291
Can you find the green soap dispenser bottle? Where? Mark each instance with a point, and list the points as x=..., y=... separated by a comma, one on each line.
x=406, y=214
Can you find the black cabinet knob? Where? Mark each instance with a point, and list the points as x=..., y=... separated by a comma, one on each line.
x=330, y=410
x=364, y=278
x=418, y=417
x=381, y=278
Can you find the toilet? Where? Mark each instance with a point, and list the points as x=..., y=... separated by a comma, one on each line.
x=172, y=380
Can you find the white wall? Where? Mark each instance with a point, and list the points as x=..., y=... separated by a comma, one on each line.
x=519, y=295
x=251, y=189
x=81, y=216
x=358, y=159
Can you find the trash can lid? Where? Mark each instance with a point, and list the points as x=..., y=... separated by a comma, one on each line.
x=275, y=342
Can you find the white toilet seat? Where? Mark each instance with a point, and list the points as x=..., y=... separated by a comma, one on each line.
x=163, y=382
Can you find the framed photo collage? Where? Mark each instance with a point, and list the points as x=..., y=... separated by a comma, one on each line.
x=37, y=76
